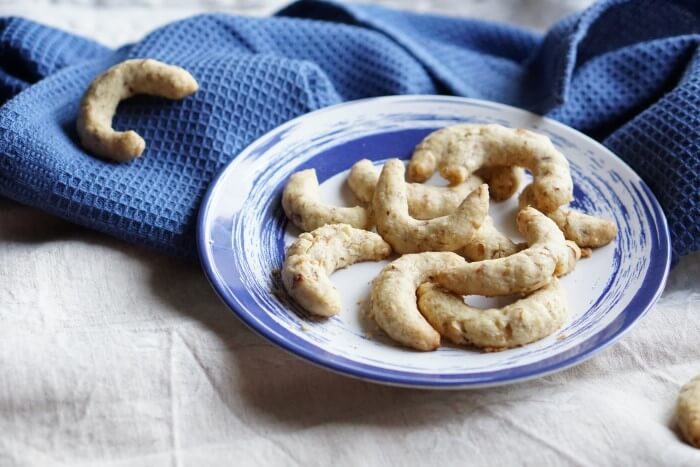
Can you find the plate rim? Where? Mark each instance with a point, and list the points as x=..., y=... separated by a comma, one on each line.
x=421, y=380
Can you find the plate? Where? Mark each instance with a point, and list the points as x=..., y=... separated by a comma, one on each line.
x=243, y=234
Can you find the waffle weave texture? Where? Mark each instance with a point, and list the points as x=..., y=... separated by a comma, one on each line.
x=625, y=72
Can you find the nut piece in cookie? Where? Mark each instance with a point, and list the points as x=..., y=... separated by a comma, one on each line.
x=315, y=255
x=124, y=80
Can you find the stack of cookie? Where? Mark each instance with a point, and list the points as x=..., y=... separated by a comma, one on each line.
x=449, y=244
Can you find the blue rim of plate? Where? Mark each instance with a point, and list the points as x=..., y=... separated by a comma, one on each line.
x=264, y=325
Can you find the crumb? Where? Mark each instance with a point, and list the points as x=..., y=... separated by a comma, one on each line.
x=561, y=337
x=586, y=252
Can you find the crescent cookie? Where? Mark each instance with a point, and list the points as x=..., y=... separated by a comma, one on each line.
x=424, y=201
x=429, y=202
x=124, y=80
x=315, y=255
x=586, y=230
x=429, y=154
x=408, y=235
x=459, y=150
x=547, y=255
x=393, y=298
x=527, y=320
x=688, y=411
x=302, y=205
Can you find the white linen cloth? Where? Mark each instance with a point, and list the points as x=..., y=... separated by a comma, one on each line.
x=114, y=355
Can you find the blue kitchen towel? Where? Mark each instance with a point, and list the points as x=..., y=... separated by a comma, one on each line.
x=627, y=72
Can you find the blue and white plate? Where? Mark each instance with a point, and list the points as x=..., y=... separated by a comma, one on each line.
x=243, y=233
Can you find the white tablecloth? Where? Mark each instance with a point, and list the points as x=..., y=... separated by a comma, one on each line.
x=110, y=354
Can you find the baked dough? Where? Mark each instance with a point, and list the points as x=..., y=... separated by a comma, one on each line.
x=586, y=230
x=124, y=80
x=315, y=255
x=302, y=205
x=424, y=201
x=688, y=411
x=547, y=255
x=408, y=235
x=393, y=298
x=459, y=150
x=527, y=320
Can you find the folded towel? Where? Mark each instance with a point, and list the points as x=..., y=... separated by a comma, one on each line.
x=625, y=72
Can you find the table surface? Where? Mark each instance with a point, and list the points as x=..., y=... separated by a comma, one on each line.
x=116, y=355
